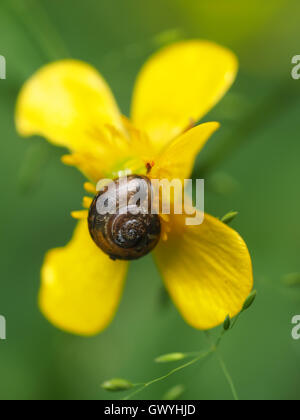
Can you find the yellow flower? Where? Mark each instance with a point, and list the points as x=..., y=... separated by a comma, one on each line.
x=206, y=269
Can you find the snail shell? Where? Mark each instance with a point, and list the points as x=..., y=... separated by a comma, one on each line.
x=130, y=231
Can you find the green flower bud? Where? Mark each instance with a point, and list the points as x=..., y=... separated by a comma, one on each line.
x=227, y=323
x=174, y=393
x=116, y=385
x=171, y=357
x=250, y=300
x=229, y=217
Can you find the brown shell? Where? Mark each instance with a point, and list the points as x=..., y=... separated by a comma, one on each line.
x=125, y=236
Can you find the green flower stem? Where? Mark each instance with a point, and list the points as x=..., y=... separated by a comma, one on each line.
x=35, y=22
x=235, y=320
x=196, y=357
x=200, y=356
x=223, y=365
x=270, y=109
x=227, y=375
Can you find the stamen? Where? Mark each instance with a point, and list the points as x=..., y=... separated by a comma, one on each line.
x=86, y=202
x=79, y=215
x=149, y=166
x=165, y=218
x=90, y=188
x=115, y=133
x=164, y=236
x=166, y=226
x=69, y=160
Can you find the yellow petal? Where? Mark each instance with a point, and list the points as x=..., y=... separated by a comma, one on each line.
x=207, y=270
x=177, y=159
x=81, y=286
x=92, y=165
x=69, y=103
x=179, y=85
x=87, y=202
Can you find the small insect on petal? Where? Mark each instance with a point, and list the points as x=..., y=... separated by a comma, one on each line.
x=117, y=385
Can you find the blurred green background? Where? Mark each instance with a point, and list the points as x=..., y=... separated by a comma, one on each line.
x=256, y=172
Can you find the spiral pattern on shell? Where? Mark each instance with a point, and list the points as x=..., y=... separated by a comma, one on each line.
x=130, y=231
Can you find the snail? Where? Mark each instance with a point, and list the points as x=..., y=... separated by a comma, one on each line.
x=120, y=219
